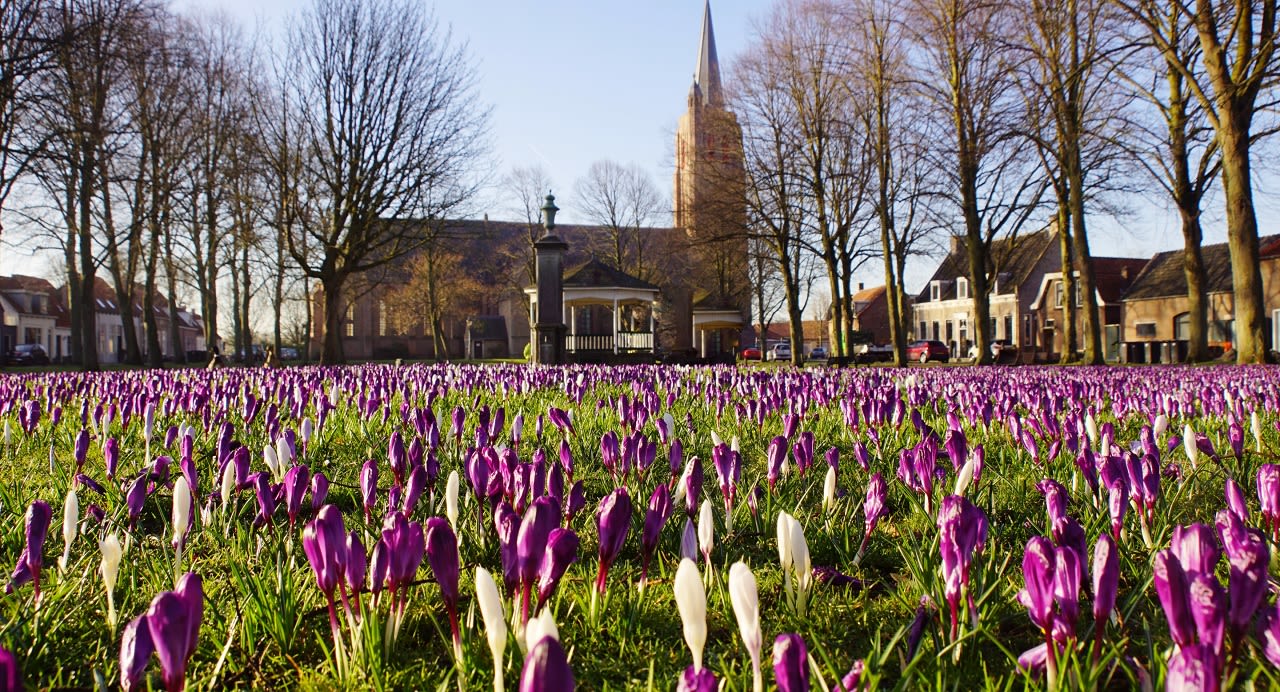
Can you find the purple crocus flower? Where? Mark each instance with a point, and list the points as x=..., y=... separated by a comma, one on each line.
x=266, y=498
x=531, y=545
x=1117, y=504
x=1067, y=575
x=111, y=455
x=81, y=448
x=577, y=500
x=1248, y=558
x=369, y=488
x=173, y=622
x=562, y=551
x=1171, y=586
x=39, y=514
x=1208, y=605
x=397, y=457
x=414, y=487
x=546, y=668
x=1193, y=668
x=655, y=518
x=135, y=498
x=442, y=556
x=135, y=652
x=791, y=663
x=694, y=680
x=1235, y=500
x=319, y=490
x=1038, y=561
x=1269, y=497
x=296, y=480
x=775, y=456
x=1196, y=548
x=613, y=522
x=1106, y=580
x=355, y=566
x=962, y=529
x=323, y=541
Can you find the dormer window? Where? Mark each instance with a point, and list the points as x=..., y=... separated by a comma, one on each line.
x=935, y=290
x=962, y=287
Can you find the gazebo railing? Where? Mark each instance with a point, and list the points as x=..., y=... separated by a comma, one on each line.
x=626, y=341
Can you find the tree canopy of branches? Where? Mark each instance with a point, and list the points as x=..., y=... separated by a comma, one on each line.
x=622, y=200
x=385, y=109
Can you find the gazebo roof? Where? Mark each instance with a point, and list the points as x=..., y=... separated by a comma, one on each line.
x=597, y=274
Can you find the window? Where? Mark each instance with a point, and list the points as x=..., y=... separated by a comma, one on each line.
x=1057, y=290
x=1028, y=333
x=962, y=287
x=1079, y=300
x=924, y=331
x=351, y=320
x=1222, y=331
x=950, y=331
x=1182, y=327
x=935, y=331
x=935, y=290
x=1145, y=330
x=1008, y=327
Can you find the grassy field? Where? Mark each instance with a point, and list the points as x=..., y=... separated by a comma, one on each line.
x=964, y=455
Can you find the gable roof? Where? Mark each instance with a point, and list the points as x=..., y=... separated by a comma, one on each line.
x=1164, y=277
x=597, y=274
x=1112, y=276
x=1012, y=261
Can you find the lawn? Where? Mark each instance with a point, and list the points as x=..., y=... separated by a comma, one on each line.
x=929, y=528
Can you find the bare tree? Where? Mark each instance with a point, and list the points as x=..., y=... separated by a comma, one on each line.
x=772, y=155
x=622, y=200
x=902, y=175
x=967, y=74
x=1180, y=152
x=1238, y=60
x=526, y=188
x=25, y=52
x=386, y=111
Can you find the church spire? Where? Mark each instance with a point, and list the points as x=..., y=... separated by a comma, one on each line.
x=707, y=77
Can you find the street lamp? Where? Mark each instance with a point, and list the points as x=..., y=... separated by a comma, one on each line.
x=549, y=329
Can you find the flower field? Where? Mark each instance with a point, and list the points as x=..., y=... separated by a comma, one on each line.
x=507, y=527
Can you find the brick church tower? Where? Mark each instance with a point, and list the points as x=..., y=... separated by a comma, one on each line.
x=710, y=206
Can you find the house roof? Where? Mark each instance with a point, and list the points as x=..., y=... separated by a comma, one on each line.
x=1012, y=261
x=31, y=284
x=1164, y=277
x=1112, y=276
x=597, y=274
x=866, y=297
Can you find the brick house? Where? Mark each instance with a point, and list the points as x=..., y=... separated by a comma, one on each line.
x=1112, y=278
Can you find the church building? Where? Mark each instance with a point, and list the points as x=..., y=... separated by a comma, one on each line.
x=691, y=297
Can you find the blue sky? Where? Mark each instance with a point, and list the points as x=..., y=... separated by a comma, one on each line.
x=575, y=81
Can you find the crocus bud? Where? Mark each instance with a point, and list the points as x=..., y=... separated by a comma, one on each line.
x=319, y=490
x=691, y=601
x=706, y=530
x=1106, y=578
x=495, y=621
x=829, y=490
x=70, y=526
x=135, y=652
x=1171, y=587
x=369, y=487
x=612, y=524
x=1189, y=445
x=1038, y=573
x=539, y=628
x=182, y=505
x=110, y=568
x=746, y=608
x=561, y=551
x=451, y=499
x=546, y=669
x=169, y=623
x=689, y=541
x=790, y=663
x=695, y=680
x=111, y=455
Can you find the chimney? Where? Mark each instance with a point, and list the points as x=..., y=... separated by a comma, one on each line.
x=860, y=285
x=1124, y=273
x=957, y=244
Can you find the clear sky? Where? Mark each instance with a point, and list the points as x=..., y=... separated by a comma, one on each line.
x=575, y=81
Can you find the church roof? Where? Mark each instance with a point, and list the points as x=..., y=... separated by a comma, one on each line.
x=597, y=274
x=707, y=78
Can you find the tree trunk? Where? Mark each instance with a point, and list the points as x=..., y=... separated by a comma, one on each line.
x=1093, y=347
x=245, y=296
x=171, y=289
x=88, y=271
x=976, y=250
x=240, y=349
x=1197, y=301
x=1068, y=315
x=155, y=357
x=1242, y=238
x=209, y=289
x=334, y=310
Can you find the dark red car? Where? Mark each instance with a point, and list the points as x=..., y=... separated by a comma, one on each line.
x=925, y=351
x=751, y=353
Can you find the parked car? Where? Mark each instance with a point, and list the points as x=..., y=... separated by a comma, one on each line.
x=752, y=353
x=1002, y=351
x=28, y=354
x=925, y=351
x=818, y=353
x=873, y=353
x=780, y=352
x=289, y=353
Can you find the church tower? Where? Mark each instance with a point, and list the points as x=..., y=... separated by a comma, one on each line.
x=710, y=206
